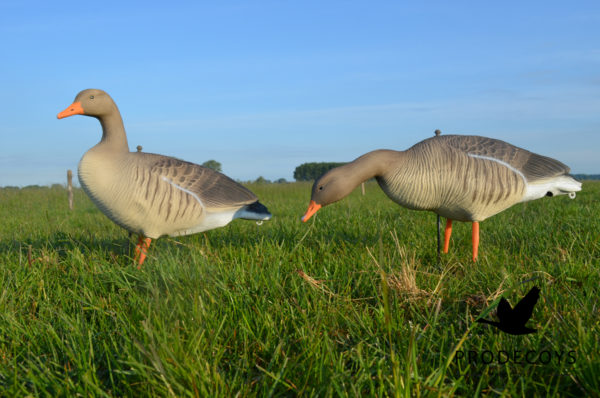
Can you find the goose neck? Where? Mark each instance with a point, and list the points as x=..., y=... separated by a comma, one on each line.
x=113, y=133
x=375, y=163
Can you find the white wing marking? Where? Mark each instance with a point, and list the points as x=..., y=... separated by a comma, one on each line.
x=502, y=163
x=184, y=190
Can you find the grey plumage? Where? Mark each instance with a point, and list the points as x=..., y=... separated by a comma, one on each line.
x=150, y=194
x=467, y=178
x=464, y=178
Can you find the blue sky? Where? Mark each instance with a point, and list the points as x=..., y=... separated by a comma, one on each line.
x=263, y=86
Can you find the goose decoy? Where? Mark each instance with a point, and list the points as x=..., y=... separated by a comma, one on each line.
x=460, y=177
x=154, y=195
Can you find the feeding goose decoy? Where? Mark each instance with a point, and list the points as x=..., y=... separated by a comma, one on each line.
x=154, y=195
x=460, y=177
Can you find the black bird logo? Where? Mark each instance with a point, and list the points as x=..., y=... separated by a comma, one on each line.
x=513, y=320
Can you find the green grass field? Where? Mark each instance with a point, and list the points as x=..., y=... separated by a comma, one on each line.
x=352, y=303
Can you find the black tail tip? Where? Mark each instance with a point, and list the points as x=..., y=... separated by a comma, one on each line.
x=258, y=208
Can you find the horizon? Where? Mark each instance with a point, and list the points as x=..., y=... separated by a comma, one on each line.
x=577, y=176
x=263, y=87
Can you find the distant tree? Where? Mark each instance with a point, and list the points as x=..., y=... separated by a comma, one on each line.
x=213, y=164
x=262, y=180
x=314, y=170
x=281, y=181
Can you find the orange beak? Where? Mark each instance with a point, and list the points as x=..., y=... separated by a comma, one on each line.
x=74, y=109
x=313, y=207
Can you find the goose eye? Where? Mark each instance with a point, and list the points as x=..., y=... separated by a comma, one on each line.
x=91, y=97
x=321, y=188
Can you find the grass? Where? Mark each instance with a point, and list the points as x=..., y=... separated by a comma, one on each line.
x=352, y=303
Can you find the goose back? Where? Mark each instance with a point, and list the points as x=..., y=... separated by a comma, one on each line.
x=534, y=167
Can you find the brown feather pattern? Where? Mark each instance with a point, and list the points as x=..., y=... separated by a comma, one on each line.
x=439, y=175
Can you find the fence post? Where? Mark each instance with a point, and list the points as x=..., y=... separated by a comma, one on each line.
x=362, y=187
x=70, y=188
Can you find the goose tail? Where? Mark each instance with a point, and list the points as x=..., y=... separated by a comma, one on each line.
x=565, y=185
x=254, y=211
x=560, y=185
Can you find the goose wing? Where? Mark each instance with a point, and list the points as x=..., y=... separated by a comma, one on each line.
x=531, y=165
x=504, y=310
x=214, y=189
x=524, y=308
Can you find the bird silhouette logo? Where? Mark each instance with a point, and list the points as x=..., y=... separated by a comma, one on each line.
x=513, y=320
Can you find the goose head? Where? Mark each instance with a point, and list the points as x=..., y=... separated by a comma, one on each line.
x=90, y=102
x=332, y=186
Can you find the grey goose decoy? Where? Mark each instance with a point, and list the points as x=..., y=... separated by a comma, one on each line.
x=154, y=195
x=460, y=177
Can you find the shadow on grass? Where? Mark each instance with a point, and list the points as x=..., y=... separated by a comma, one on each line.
x=63, y=244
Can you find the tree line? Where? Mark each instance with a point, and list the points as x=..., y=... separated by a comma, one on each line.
x=586, y=176
x=314, y=170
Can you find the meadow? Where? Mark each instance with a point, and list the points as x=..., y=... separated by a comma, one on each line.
x=355, y=302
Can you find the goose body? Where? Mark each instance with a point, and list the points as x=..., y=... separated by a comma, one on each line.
x=154, y=195
x=460, y=177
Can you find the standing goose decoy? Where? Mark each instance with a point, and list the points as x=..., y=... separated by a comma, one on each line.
x=154, y=195
x=460, y=177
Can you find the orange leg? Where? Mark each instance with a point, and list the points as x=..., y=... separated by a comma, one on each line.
x=138, y=246
x=475, y=239
x=447, y=233
x=141, y=250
